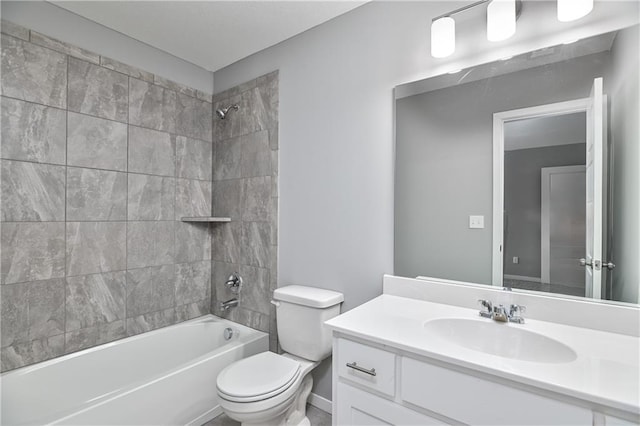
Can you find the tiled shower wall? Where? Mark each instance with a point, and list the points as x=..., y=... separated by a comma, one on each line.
x=99, y=162
x=245, y=179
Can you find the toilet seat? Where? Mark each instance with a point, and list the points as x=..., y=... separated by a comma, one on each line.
x=258, y=377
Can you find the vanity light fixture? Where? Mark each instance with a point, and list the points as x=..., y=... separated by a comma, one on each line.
x=501, y=19
x=443, y=37
x=570, y=10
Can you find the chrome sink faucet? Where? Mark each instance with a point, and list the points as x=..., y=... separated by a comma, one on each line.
x=499, y=313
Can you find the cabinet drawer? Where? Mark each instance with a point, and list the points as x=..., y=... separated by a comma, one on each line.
x=473, y=400
x=356, y=407
x=379, y=366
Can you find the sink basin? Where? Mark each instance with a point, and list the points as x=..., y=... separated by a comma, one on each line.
x=500, y=339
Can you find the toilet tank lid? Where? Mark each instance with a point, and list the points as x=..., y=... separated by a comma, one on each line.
x=308, y=296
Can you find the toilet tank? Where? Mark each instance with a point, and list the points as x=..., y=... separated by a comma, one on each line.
x=301, y=312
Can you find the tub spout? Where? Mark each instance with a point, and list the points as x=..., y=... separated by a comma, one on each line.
x=231, y=303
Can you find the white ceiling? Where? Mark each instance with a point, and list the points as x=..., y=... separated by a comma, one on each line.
x=211, y=34
x=563, y=129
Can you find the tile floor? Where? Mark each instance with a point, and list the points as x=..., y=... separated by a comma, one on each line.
x=316, y=417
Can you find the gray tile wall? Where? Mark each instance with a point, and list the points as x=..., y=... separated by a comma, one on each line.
x=99, y=162
x=245, y=179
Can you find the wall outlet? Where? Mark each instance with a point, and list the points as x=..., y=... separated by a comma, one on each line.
x=516, y=259
x=476, y=222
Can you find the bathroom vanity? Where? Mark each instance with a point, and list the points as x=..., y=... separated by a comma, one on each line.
x=409, y=357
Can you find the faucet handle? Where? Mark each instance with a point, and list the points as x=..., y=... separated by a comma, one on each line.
x=488, y=312
x=515, y=313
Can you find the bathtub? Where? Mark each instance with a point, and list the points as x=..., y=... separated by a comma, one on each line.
x=165, y=376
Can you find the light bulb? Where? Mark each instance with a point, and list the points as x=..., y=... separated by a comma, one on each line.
x=501, y=19
x=443, y=37
x=570, y=10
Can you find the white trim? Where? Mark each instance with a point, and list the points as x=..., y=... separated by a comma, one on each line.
x=320, y=402
x=499, y=118
x=545, y=206
x=523, y=278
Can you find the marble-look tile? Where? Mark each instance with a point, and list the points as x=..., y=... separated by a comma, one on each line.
x=255, y=244
x=273, y=268
x=21, y=354
x=92, y=336
x=193, y=281
x=204, y=96
x=95, y=299
x=46, y=308
x=251, y=110
x=227, y=159
x=151, y=152
x=193, y=198
x=253, y=319
x=62, y=47
x=235, y=90
x=97, y=91
x=193, y=158
x=225, y=242
x=193, y=117
x=95, y=247
x=193, y=242
x=226, y=198
x=274, y=142
x=151, y=197
x=222, y=420
x=256, y=154
x=112, y=64
x=255, y=295
x=274, y=168
x=192, y=310
x=152, y=106
x=95, y=195
x=95, y=142
x=33, y=73
x=150, y=244
x=267, y=86
x=318, y=417
x=33, y=132
x=172, y=85
x=256, y=199
x=15, y=30
x=14, y=307
x=150, y=321
x=150, y=289
x=32, y=251
x=31, y=192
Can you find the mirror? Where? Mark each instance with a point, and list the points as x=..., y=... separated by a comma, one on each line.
x=509, y=173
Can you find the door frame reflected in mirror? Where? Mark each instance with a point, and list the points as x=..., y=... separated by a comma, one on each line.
x=499, y=121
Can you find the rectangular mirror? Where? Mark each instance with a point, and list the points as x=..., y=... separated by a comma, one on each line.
x=523, y=173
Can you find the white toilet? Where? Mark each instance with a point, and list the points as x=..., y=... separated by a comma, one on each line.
x=272, y=389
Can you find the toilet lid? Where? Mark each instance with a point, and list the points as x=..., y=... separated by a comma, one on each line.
x=258, y=377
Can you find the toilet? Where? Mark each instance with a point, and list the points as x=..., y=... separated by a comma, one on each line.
x=272, y=389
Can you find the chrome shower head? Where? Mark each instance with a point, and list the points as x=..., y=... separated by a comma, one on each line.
x=222, y=112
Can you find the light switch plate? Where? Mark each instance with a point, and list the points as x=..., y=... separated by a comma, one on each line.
x=476, y=222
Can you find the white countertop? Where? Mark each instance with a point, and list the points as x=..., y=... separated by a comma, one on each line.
x=606, y=370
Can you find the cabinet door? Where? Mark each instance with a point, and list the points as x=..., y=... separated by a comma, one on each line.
x=356, y=407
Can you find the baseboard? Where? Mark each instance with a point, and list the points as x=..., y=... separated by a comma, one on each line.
x=523, y=278
x=320, y=403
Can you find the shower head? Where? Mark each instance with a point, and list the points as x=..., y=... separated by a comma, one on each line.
x=222, y=112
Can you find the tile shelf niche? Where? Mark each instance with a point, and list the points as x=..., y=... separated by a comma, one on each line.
x=206, y=219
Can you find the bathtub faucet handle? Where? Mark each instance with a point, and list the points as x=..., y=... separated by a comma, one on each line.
x=234, y=283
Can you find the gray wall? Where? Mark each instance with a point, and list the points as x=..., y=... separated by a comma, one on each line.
x=444, y=164
x=100, y=160
x=245, y=188
x=61, y=24
x=622, y=84
x=522, y=202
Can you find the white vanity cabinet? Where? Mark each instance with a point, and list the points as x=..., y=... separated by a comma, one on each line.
x=395, y=387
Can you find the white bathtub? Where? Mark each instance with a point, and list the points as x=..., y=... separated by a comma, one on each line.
x=166, y=376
